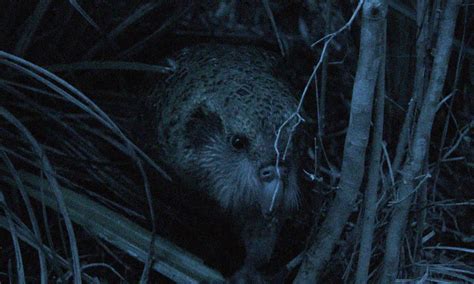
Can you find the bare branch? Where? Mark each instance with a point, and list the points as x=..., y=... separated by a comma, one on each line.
x=412, y=166
x=357, y=138
x=370, y=205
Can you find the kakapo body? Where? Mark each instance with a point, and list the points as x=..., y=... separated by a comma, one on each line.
x=218, y=120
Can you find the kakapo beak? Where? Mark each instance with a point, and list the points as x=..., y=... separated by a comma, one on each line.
x=271, y=194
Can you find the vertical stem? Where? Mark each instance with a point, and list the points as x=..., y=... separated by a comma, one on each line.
x=413, y=166
x=370, y=205
x=324, y=75
x=319, y=252
x=418, y=86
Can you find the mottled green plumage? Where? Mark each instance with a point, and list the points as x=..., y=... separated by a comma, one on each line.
x=236, y=87
x=217, y=122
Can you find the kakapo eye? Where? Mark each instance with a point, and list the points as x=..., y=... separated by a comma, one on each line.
x=239, y=142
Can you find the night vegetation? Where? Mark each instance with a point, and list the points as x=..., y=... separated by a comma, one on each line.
x=385, y=92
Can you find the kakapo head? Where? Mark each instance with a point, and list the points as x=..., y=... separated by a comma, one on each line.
x=217, y=127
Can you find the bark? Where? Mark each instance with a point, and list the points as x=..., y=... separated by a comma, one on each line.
x=370, y=205
x=321, y=247
x=413, y=166
x=423, y=39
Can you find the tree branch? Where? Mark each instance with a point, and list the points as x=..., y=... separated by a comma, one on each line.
x=370, y=205
x=357, y=138
x=412, y=166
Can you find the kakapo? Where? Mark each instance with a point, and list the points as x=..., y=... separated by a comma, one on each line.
x=217, y=123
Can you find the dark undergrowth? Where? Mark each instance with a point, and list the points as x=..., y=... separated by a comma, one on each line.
x=74, y=110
